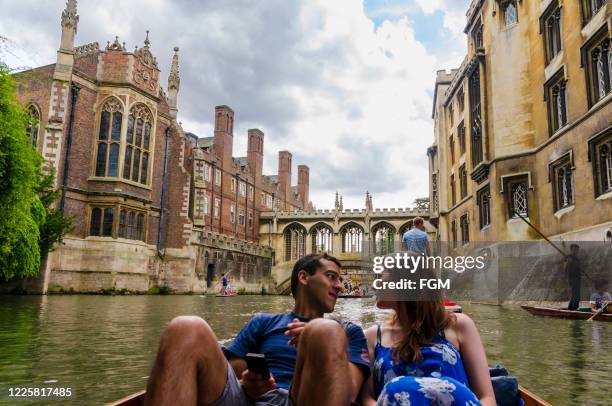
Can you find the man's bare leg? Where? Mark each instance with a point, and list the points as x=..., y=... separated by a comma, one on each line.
x=322, y=374
x=190, y=367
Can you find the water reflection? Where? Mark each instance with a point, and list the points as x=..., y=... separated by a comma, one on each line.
x=103, y=346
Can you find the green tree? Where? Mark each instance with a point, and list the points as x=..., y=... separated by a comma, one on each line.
x=421, y=203
x=29, y=226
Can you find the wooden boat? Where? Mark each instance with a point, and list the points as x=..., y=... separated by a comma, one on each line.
x=566, y=314
x=137, y=399
x=235, y=294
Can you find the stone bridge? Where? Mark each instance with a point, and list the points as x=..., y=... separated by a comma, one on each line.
x=345, y=234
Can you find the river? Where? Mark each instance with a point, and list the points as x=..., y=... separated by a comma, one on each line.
x=103, y=346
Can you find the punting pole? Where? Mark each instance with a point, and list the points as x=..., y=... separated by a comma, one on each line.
x=547, y=240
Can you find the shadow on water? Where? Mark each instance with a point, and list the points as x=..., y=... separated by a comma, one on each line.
x=103, y=346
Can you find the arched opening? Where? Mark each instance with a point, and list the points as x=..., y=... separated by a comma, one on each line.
x=322, y=238
x=352, y=238
x=295, y=241
x=384, y=236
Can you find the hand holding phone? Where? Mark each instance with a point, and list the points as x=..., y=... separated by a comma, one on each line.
x=256, y=363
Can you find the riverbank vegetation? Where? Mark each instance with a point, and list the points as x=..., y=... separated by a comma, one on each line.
x=30, y=224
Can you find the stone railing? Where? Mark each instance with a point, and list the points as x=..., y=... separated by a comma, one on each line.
x=221, y=241
x=87, y=49
x=404, y=211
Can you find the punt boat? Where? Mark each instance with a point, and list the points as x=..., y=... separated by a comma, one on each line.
x=566, y=314
x=137, y=399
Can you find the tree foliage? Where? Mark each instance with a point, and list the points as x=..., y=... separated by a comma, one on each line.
x=421, y=203
x=28, y=224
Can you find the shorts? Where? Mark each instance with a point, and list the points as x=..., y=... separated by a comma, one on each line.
x=233, y=394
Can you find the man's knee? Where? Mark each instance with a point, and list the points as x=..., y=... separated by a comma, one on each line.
x=325, y=336
x=189, y=332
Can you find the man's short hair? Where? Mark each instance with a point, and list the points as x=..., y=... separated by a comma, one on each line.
x=574, y=246
x=309, y=263
x=418, y=220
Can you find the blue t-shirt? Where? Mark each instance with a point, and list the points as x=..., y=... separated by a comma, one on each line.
x=224, y=281
x=415, y=240
x=265, y=334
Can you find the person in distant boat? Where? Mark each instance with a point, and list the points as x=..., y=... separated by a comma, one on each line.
x=601, y=298
x=312, y=360
x=416, y=239
x=224, y=284
x=572, y=268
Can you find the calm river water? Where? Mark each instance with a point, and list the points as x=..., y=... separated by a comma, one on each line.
x=103, y=346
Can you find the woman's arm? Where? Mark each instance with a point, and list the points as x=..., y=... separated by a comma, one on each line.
x=367, y=390
x=475, y=360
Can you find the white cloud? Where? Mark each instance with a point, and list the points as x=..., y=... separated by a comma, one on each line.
x=349, y=99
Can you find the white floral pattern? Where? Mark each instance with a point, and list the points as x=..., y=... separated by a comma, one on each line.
x=439, y=391
x=448, y=354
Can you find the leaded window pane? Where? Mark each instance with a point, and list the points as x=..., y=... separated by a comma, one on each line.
x=107, y=224
x=127, y=164
x=144, y=167
x=147, y=135
x=130, y=130
x=113, y=160
x=116, y=130
x=104, y=123
x=136, y=165
x=122, y=224
x=510, y=15
x=139, y=226
x=138, y=132
x=101, y=159
x=519, y=198
x=96, y=218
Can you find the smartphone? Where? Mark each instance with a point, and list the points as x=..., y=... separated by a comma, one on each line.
x=257, y=363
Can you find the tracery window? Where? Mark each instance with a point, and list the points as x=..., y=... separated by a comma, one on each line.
x=556, y=99
x=463, y=181
x=590, y=8
x=600, y=155
x=33, y=127
x=109, y=139
x=476, y=117
x=465, y=229
x=510, y=12
x=404, y=228
x=563, y=183
x=551, y=28
x=384, y=235
x=241, y=217
x=138, y=143
x=322, y=238
x=452, y=190
x=517, y=190
x=295, y=242
x=598, y=66
x=352, y=238
x=484, y=207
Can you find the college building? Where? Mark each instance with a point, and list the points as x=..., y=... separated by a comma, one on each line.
x=152, y=204
x=523, y=128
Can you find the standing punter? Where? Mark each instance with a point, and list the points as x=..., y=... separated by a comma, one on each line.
x=312, y=361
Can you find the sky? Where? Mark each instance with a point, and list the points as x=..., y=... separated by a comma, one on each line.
x=345, y=85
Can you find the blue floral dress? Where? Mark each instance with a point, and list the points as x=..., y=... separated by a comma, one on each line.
x=438, y=379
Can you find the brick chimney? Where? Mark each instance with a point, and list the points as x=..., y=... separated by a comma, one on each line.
x=255, y=152
x=284, y=175
x=224, y=138
x=303, y=184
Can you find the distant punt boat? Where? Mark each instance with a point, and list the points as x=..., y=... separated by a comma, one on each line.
x=137, y=399
x=566, y=314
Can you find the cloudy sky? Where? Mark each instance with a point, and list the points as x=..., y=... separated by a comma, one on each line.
x=345, y=85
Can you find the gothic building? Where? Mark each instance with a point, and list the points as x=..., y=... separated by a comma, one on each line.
x=152, y=204
x=523, y=128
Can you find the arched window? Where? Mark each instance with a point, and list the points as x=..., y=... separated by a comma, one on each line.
x=322, y=237
x=384, y=236
x=33, y=124
x=109, y=139
x=407, y=226
x=138, y=141
x=295, y=242
x=352, y=238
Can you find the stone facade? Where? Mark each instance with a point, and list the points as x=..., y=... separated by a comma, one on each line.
x=152, y=204
x=525, y=124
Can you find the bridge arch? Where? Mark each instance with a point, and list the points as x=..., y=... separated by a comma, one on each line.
x=322, y=236
x=351, y=236
x=294, y=241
